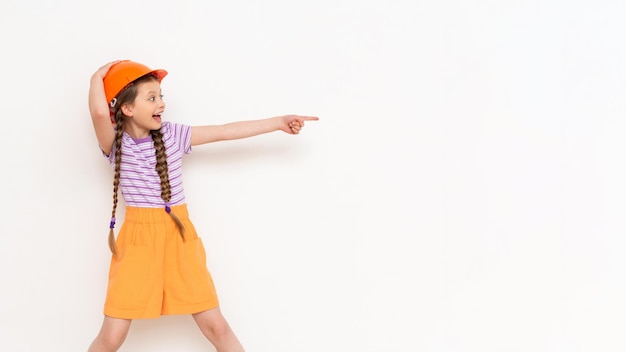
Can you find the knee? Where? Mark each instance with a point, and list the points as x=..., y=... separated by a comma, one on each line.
x=109, y=341
x=218, y=328
x=114, y=341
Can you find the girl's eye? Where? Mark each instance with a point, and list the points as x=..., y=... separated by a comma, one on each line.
x=151, y=99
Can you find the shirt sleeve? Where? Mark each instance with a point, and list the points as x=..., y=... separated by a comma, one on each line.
x=180, y=133
x=111, y=156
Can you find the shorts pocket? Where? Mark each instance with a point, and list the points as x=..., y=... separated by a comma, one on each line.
x=197, y=275
x=132, y=277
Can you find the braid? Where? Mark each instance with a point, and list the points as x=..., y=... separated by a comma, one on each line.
x=119, y=131
x=161, y=168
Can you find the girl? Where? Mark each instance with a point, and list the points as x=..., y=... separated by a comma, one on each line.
x=158, y=265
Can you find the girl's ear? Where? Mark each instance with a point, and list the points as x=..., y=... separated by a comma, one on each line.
x=127, y=109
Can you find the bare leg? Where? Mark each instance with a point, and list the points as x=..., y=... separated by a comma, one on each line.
x=216, y=329
x=111, y=336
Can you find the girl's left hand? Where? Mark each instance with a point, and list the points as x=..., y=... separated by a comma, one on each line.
x=292, y=124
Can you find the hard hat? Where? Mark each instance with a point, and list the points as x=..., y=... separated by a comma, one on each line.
x=123, y=73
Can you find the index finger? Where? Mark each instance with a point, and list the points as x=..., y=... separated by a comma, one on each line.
x=309, y=118
x=108, y=65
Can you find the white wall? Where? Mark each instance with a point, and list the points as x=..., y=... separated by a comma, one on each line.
x=463, y=190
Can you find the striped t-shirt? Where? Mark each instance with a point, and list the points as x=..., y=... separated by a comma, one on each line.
x=139, y=181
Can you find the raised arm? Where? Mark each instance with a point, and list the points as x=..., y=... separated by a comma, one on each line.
x=291, y=124
x=99, y=109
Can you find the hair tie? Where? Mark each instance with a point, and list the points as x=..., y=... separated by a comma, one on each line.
x=167, y=207
x=112, y=224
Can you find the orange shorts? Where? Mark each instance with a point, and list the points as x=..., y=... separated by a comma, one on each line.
x=156, y=273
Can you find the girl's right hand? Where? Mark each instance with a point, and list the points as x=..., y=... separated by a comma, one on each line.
x=102, y=71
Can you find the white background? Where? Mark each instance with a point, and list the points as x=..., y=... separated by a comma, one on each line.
x=462, y=191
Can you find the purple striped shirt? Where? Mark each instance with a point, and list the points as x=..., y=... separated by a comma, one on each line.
x=139, y=182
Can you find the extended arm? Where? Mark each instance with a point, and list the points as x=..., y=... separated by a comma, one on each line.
x=99, y=109
x=291, y=124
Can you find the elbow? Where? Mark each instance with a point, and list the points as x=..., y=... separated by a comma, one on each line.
x=100, y=114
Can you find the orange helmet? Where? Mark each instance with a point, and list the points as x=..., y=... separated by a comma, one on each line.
x=123, y=73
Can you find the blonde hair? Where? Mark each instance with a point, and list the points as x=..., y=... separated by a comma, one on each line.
x=127, y=96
